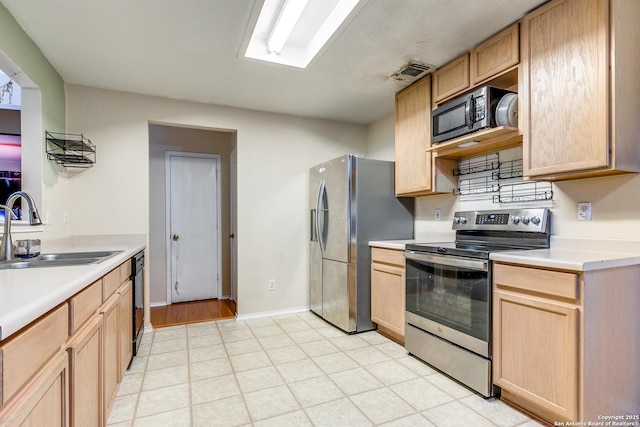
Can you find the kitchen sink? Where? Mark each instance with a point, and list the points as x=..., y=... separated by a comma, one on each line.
x=77, y=255
x=62, y=259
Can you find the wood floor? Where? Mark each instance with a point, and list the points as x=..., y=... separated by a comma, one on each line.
x=192, y=312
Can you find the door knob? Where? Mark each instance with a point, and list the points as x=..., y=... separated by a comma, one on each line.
x=175, y=237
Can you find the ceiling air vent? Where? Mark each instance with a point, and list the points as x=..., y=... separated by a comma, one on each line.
x=412, y=71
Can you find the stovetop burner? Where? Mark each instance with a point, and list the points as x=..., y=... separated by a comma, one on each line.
x=478, y=233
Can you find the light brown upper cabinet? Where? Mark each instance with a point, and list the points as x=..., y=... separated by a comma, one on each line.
x=579, y=90
x=415, y=172
x=412, y=137
x=496, y=54
x=487, y=61
x=451, y=78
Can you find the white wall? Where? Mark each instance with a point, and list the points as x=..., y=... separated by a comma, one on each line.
x=380, y=138
x=275, y=153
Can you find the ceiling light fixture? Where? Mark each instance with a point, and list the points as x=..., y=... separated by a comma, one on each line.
x=293, y=32
x=287, y=19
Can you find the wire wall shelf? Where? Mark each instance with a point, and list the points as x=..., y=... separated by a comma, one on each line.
x=509, y=169
x=480, y=185
x=477, y=164
x=498, y=181
x=524, y=192
x=70, y=150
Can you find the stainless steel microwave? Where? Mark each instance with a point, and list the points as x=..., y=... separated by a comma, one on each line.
x=472, y=112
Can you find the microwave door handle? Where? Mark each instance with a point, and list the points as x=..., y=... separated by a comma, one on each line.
x=468, y=112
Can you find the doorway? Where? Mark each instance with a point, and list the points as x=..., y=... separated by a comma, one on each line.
x=163, y=138
x=193, y=232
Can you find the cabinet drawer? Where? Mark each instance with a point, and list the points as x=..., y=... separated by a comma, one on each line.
x=555, y=283
x=110, y=283
x=84, y=304
x=23, y=355
x=125, y=271
x=388, y=256
x=496, y=54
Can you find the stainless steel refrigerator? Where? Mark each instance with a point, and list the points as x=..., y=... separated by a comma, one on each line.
x=351, y=201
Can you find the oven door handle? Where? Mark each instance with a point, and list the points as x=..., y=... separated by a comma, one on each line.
x=449, y=261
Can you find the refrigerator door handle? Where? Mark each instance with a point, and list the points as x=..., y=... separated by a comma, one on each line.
x=322, y=213
x=314, y=225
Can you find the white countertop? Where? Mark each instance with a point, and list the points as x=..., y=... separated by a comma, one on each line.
x=400, y=244
x=26, y=294
x=391, y=244
x=567, y=253
x=578, y=254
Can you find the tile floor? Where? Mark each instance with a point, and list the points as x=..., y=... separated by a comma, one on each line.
x=293, y=370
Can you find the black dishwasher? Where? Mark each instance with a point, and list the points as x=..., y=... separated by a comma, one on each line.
x=137, y=276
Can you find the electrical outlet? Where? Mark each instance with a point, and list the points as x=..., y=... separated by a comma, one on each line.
x=271, y=286
x=584, y=211
x=47, y=217
x=438, y=214
x=65, y=217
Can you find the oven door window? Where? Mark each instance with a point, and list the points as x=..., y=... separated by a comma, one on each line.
x=452, y=296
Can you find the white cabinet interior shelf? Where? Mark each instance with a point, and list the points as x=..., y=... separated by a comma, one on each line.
x=70, y=150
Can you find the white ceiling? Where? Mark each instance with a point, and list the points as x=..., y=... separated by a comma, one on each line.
x=192, y=50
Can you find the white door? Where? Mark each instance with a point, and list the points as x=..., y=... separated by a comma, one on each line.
x=192, y=226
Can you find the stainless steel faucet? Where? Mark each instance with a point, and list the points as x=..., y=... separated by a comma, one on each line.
x=6, y=248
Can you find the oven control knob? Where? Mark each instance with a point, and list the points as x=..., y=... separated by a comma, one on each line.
x=535, y=220
x=525, y=219
x=515, y=219
x=463, y=220
x=456, y=220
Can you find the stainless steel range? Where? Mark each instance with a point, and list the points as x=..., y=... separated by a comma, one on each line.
x=448, y=318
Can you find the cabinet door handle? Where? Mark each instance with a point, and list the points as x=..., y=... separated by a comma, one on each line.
x=175, y=237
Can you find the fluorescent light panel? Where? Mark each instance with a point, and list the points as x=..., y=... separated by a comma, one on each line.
x=283, y=24
x=288, y=18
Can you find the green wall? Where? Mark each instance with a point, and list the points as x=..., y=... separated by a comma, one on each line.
x=20, y=49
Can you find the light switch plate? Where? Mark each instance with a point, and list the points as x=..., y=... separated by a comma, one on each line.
x=438, y=214
x=584, y=211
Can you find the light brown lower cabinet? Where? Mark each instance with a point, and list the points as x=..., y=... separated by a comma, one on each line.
x=43, y=401
x=125, y=327
x=538, y=355
x=388, y=291
x=65, y=367
x=25, y=353
x=85, y=374
x=562, y=341
x=110, y=352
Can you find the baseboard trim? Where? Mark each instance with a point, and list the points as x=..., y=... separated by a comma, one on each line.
x=271, y=313
x=158, y=304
